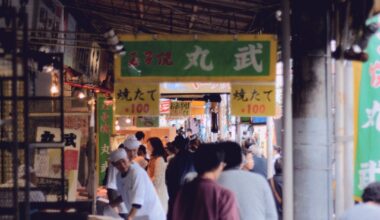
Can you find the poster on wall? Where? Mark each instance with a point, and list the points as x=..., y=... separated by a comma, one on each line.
x=78, y=121
x=367, y=157
x=47, y=162
x=180, y=108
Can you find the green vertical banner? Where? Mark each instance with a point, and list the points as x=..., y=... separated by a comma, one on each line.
x=367, y=158
x=104, y=119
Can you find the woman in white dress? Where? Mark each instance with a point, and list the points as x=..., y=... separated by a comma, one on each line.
x=156, y=169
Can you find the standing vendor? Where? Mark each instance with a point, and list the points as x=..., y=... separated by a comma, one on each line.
x=130, y=144
x=136, y=189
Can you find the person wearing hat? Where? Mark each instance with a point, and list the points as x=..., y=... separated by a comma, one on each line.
x=136, y=189
x=111, y=186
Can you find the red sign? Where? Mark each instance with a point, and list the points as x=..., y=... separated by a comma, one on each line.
x=165, y=106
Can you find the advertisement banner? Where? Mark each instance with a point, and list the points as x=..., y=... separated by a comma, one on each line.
x=179, y=108
x=47, y=162
x=104, y=119
x=165, y=106
x=367, y=157
x=201, y=58
x=253, y=100
x=137, y=99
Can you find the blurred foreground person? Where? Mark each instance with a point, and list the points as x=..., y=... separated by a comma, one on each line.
x=276, y=183
x=178, y=168
x=203, y=198
x=136, y=189
x=260, y=162
x=252, y=191
x=369, y=209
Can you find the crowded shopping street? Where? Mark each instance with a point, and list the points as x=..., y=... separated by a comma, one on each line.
x=189, y=110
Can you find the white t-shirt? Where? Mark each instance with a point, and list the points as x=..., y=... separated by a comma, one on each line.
x=137, y=188
x=111, y=184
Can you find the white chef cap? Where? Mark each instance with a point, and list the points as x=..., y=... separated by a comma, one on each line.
x=118, y=155
x=131, y=143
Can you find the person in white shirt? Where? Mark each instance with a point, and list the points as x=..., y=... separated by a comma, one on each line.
x=130, y=145
x=136, y=189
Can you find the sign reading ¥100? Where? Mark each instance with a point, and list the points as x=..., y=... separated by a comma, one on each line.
x=137, y=99
x=253, y=100
x=200, y=58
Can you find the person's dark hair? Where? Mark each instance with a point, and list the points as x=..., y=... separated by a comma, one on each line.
x=207, y=158
x=142, y=151
x=180, y=142
x=277, y=148
x=158, y=147
x=140, y=135
x=194, y=144
x=170, y=148
x=372, y=193
x=278, y=165
x=233, y=154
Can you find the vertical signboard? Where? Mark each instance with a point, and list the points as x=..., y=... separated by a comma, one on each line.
x=253, y=100
x=104, y=118
x=367, y=157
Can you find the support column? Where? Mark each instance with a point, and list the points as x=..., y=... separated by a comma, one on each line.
x=287, y=139
x=349, y=140
x=311, y=110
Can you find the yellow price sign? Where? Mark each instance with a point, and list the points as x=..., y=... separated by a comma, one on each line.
x=137, y=99
x=253, y=100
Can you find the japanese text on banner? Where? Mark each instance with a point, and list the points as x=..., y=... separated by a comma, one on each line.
x=104, y=115
x=137, y=99
x=180, y=108
x=253, y=100
x=179, y=56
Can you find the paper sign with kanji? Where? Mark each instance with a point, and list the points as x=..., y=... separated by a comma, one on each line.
x=180, y=108
x=137, y=99
x=253, y=100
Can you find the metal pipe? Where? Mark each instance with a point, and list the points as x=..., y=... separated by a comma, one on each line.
x=26, y=112
x=92, y=146
x=270, y=166
x=339, y=136
x=340, y=122
x=14, y=116
x=349, y=142
x=287, y=120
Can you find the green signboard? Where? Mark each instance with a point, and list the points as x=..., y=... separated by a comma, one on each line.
x=104, y=119
x=202, y=58
x=367, y=158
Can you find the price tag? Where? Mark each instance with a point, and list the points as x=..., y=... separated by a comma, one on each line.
x=137, y=99
x=253, y=100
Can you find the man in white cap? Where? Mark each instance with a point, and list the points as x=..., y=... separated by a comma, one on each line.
x=136, y=189
x=131, y=145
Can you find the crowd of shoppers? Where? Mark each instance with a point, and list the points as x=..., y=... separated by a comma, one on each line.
x=187, y=180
